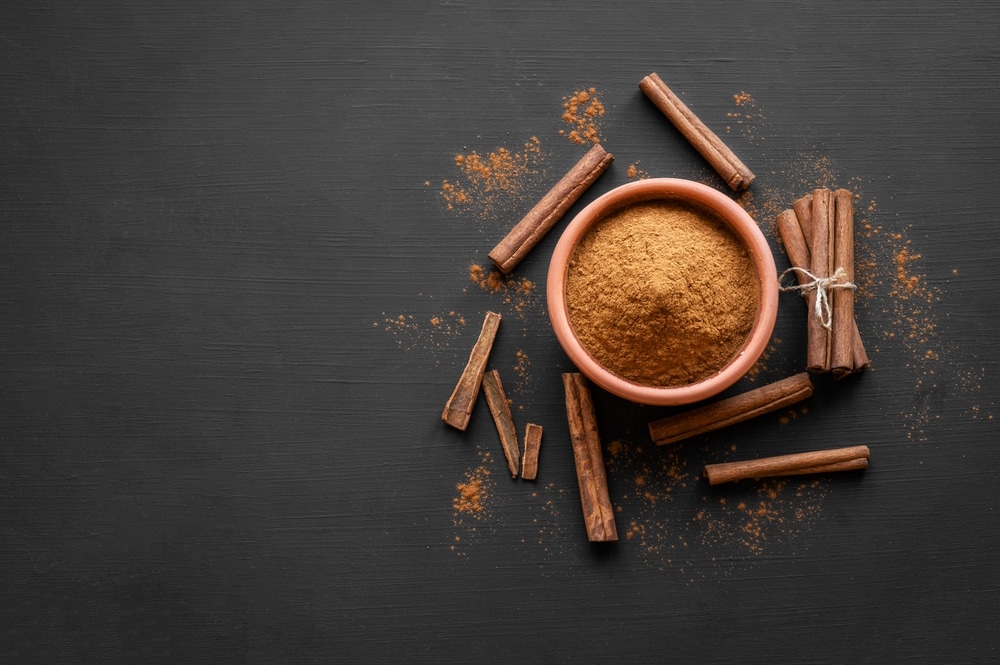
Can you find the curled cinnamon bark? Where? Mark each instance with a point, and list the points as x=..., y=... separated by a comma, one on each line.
x=732, y=410
x=821, y=255
x=550, y=209
x=704, y=140
x=823, y=461
x=598, y=513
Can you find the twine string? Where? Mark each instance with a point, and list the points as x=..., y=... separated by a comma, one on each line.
x=822, y=286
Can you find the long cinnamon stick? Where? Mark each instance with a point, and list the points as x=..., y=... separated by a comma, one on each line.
x=458, y=408
x=731, y=410
x=727, y=472
x=841, y=341
x=705, y=141
x=848, y=353
x=598, y=513
x=850, y=465
x=500, y=408
x=532, y=444
x=550, y=209
x=821, y=258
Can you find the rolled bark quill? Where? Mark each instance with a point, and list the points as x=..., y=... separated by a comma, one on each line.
x=731, y=410
x=598, y=513
x=823, y=461
x=704, y=140
x=821, y=254
x=550, y=209
x=458, y=408
x=847, y=353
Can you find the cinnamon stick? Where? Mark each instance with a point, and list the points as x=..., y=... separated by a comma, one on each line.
x=550, y=209
x=532, y=444
x=704, y=140
x=803, y=212
x=825, y=460
x=458, y=408
x=821, y=258
x=850, y=465
x=731, y=410
x=795, y=243
x=598, y=513
x=500, y=408
x=848, y=354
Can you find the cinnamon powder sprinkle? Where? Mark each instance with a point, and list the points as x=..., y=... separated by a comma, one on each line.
x=472, y=492
x=582, y=111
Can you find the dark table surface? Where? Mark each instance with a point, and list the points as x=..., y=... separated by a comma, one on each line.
x=235, y=291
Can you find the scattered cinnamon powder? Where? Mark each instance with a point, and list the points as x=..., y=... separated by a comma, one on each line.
x=517, y=291
x=472, y=492
x=661, y=293
x=488, y=184
x=582, y=111
x=635, y=173
x=471, y=504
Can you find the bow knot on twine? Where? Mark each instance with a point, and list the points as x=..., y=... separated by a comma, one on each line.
x=822, y=286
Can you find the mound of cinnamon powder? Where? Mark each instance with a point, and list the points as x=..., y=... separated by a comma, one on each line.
x=661, y=293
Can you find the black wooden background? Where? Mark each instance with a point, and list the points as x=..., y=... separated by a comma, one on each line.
x=233, y=300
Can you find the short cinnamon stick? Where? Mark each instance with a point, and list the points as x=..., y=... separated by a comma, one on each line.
x=704, y=140
x=550, y=209
x=500, y=408
x=821, y=258
x=825, y=460
x=598, y=513
x=458, y=408
x=731, y=410
x=532, y=444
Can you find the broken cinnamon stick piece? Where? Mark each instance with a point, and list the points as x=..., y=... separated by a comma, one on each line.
x=550, y=209
x=728, y=472
x=500, y=408
x=532, y=444
x=704, y=140
x=598, y=513
x=731, y=410
x=458, y=408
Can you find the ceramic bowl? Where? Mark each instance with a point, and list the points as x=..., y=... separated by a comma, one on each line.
x=746, y=231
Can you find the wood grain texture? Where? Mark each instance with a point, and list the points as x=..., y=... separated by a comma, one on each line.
x=223, y=245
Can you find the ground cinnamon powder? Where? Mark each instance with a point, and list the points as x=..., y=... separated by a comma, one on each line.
x=661, y=293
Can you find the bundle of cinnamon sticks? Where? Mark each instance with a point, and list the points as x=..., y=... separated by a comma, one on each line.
x=818, y=235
